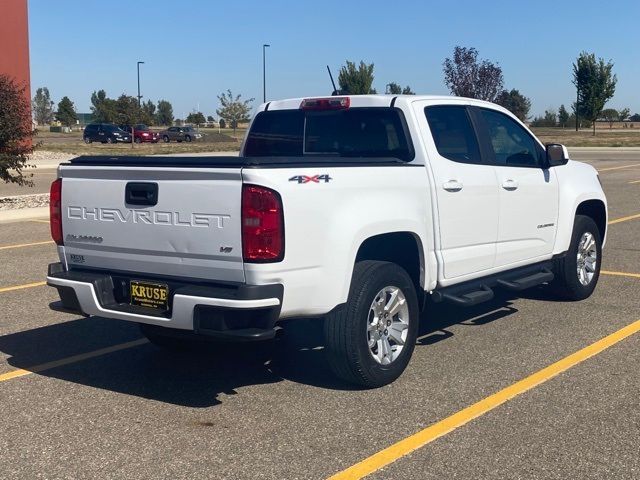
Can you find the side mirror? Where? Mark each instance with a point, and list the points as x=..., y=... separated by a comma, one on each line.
x=556, y=155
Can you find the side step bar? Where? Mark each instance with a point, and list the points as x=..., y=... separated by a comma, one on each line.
x=470, y=298
x=527, y=282
x=473, y=292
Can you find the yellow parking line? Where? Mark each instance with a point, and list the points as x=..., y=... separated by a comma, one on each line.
x=619, y=168
x=635, y=181
x=20, y=287
x=38, y=220
x=620, y=274
x=69, y=360
x=451, y=423
x=624, y=219
x=22, y=245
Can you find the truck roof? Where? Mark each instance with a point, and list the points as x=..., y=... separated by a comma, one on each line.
x=373, y=101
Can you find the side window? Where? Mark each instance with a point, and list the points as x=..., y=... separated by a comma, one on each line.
x=512, y=144
x=453, y=133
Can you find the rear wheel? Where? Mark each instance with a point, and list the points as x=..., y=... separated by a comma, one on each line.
x=109, y=140
x=578, y=271
x=187, y=138
x=371, y=339
x=138, y=140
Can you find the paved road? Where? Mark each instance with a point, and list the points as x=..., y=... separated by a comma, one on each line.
x=140, y=412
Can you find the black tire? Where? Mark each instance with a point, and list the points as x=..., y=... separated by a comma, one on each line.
x=166, y=139
x=109, y=140
x=138, y=140
x=87, y=140
x=187, y=138
x=566, y=283
x=345, y=329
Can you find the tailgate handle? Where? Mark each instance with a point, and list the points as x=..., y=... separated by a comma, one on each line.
x=139, y=193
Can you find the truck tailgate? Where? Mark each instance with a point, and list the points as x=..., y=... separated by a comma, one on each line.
x=158, y=220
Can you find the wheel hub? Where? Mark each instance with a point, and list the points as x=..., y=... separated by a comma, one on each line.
x=587, y=258
x=387, y=325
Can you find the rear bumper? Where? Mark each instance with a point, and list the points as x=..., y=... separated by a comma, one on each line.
x=233, y=312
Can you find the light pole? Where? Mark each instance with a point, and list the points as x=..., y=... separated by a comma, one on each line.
x=139, y=96
x=264, y=72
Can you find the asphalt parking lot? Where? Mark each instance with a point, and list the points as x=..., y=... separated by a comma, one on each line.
x=88, y=398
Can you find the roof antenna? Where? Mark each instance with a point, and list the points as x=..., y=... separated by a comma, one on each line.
x=335, y=90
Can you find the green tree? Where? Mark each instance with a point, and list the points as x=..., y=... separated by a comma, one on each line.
x=515, y=102
x=596, y=85
x=164, y=115
x=16, y=132
x=563, y=116
x=222, y=123
x=395, y=89
x=102, y=107
x=210, y=119
x=128, y=111
x=42, y=106
x=610, y=115
x=623, y=114
x=66, y=113
x=356, y=80
x=465, y=76
x=147, y=115
x=196, y=118
x=233, y=109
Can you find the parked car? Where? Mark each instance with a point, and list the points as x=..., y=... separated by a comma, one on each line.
x=105, y=133
x=360, y=209
x=179, y=134
x=142, y=133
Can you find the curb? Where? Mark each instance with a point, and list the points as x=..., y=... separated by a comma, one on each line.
x=19, y=214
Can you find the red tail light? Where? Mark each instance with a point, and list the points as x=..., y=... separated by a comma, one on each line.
x=55, y=211
x=331, y=103
x=262, y=225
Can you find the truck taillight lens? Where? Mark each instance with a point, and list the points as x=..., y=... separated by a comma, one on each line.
x=55, y=211
x=262, y=225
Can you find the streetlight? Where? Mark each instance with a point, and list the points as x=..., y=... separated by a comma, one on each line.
x=264, y=73
x=139, y=96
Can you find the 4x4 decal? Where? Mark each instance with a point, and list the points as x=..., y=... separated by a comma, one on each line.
x=313, y=179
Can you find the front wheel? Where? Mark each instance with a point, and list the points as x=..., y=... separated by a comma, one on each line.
x=578, y=271
x=87, y=140
x=187, y=138
x=370, y=340
x=165, y=139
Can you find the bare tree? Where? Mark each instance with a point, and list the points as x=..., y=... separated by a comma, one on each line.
x=465, y=76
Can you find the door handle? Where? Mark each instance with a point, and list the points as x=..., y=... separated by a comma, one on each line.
x=510, y=184
x=452, y=186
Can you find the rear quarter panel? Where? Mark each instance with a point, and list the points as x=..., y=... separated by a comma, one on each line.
x=326, y=222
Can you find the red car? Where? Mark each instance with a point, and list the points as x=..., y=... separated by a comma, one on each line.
x=142, y=133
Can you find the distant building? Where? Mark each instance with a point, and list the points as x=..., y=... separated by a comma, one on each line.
x=14, y=38
x=84, y=119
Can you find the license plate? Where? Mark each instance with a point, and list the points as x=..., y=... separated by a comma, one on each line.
x=147, y=294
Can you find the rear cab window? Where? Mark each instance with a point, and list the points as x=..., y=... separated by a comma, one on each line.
x=453, y=133
x=361, y=132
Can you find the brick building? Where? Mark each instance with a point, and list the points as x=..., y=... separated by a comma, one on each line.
x=14, y=42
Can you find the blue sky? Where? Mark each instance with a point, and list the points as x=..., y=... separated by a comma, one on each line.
x=195, y=49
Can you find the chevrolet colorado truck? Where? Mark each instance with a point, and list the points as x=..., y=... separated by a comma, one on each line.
x=357, y=210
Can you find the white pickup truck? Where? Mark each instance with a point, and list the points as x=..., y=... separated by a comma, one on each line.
x=358, y=210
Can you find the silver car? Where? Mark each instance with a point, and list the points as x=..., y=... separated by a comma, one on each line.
x=179, y=134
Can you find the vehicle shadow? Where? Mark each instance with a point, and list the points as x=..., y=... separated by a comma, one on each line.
x=199, y=378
